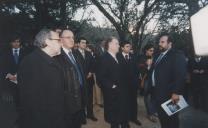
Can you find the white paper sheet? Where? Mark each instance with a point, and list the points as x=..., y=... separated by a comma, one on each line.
x=170, y=108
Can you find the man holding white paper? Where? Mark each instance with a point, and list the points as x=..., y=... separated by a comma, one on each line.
x=167, y=78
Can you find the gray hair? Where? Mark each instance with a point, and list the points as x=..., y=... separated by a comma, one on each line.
x=41, y=37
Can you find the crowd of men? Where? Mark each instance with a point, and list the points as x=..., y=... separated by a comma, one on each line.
x=52, y=86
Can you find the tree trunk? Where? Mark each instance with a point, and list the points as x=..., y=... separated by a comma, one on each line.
x=63, y=12
x=42, y=14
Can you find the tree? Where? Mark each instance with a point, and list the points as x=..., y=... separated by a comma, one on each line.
x=175, y=19
x=136, y=14
x=28, y=16
x=43, y=11
x=126, y=15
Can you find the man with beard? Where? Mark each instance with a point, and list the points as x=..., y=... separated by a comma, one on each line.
x=167, y=79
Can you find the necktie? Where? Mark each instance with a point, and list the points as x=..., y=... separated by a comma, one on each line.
x=198, y=59
x=71, y=57
x=126, y=57
x=16, y=56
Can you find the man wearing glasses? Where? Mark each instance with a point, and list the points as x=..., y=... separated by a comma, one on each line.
x=74, y=81
x=40, y=85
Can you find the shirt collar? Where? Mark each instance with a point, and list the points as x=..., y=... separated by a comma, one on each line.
x=18, y=49
x=66, y=50
x=81, y=50
x=165, y=52
x=112, y=54
x=124, y=54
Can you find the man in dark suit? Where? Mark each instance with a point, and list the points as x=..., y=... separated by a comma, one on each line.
x=74, y=81
x=167, y=79
x=10, y=64
x=198, y=69
x=130, y=77
x=99, y=51
x=87, y=62
x=114, y=90
x=40, y=85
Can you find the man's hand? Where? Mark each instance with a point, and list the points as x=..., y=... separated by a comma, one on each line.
x=196, y=71
x=11, y=77
x=201, y=71
x=175, y=98
x=114, y=86
x=89, y=75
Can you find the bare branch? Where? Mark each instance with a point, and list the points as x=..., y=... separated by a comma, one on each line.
x=110, y=18
x=112, y=10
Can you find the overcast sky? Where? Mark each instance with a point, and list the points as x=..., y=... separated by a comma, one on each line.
x=93, y=12
x=100, y=19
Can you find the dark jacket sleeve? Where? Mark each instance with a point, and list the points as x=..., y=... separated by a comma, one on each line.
x=179, y=73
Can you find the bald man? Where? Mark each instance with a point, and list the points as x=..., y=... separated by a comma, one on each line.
x=75, y=91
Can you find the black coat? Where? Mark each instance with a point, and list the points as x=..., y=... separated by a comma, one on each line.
x=115, y=99
x=170, y=74
x=41, y=90
x=8, y=65
x=87, y=62
x=198, y=80
x=130, y=72
x=75, y=96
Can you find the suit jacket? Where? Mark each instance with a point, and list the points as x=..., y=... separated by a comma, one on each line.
x=41, y=92
x=170, y=75
x=129, y=70
x=8, y=65
x=115, y=99
x=99, y=52
x=98, y=55
x=75, y=96
x=87, y=62
x=198, y=80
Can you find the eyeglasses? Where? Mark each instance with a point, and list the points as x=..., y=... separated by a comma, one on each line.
x=54, y=39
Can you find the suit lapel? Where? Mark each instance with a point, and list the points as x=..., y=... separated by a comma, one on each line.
x=11, y=57
x=164, y=58
x=122, y=58
x=21, y=54
x=65, y=56
x=112, y=59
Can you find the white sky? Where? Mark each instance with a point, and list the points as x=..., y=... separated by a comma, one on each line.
x=99, y=19
x=94, y=13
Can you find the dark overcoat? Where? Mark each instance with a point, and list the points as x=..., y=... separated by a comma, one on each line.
x=41, y=91
x=115, y=99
